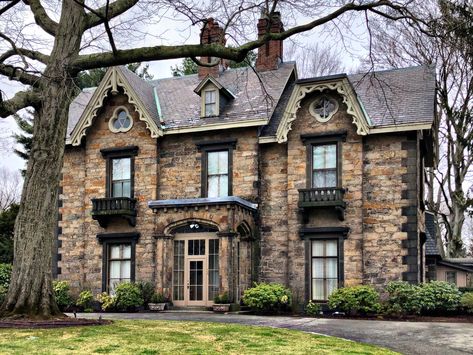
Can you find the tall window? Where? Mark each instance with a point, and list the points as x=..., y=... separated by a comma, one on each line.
x=119, y=265
x=121, y=177
x=217, y=174
x=210, y=103
x=324, y=268
x=178, y=271
x=214, y=280
x=324, y=165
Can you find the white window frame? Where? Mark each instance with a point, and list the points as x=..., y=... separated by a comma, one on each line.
x=115, y=116
x=204, y=103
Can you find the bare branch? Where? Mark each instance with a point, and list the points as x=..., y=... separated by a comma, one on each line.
x=19, y=74
x=21, y=100
x=107, y=12
x=9, y=6
x=41, y=17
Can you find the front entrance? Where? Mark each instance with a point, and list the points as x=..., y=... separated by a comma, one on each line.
x=196, y=278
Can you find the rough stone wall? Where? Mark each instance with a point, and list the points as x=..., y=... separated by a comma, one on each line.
x=84, y=178
x=180, y=163
x=351, y=155
x=274, y=252
x=390, y=243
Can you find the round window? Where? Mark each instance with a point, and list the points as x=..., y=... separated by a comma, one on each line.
x=121, y=121
x=323, y=108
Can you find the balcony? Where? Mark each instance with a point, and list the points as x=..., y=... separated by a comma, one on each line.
x=103, y=209
x=327, y=197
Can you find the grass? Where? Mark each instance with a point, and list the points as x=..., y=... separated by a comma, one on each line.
x=168, y=337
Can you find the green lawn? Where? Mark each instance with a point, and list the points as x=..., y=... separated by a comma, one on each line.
x=167, y=337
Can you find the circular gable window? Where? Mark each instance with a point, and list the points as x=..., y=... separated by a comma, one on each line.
x=323, y=108
x=121, y=120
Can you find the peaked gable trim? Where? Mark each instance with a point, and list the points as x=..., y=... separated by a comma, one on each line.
x=113, y=79
x=302, y=89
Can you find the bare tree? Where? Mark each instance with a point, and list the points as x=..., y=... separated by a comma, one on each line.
x=10, y=188
x=445, y=42
x=314, y=59
x=71, y=36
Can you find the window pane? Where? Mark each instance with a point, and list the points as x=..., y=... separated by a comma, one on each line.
x=126, y=192
x=317, y=268
x=331, y=247
x=210, y=97
x=114, y=252
x=325, y=156
x=121, y=169
x=318, y=289
x=212, y=162
x=210, y=109
x=117, y=190
x=332, y=285
x=331, y=156
x=317, y=248
x=213, y=187
x=125, y=269
x=319, y=157
x=331, y=268
x=223, y=162
x=114, y=269
x=223, y=186
x=126, y=251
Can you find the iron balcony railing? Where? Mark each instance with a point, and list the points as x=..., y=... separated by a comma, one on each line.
x=103, y=209
x=320, y=197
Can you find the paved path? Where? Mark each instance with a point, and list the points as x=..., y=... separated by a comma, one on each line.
x=404, y=337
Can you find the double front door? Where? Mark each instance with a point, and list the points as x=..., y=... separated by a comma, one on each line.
x=196, y=269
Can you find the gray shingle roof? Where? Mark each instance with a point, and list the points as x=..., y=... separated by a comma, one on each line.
x=430, y=232
x=180, y=105
x=397, y=96
x=77, y=107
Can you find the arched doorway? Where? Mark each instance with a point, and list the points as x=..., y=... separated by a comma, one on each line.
x=195, y=275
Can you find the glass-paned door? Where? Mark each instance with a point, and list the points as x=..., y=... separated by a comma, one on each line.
x=196, y=278
x=195, y=285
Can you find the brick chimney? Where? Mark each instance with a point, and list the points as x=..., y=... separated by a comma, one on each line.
x=211, y=33
x=269, y=54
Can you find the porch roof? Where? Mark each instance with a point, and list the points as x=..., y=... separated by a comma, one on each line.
x=203, y=201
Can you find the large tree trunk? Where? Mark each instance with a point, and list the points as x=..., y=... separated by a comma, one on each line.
x=30, y=294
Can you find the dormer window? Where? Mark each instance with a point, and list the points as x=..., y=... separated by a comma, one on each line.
x=210, y=98
x=214, y=97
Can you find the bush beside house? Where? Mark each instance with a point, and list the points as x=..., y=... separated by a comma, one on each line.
x=267, y=298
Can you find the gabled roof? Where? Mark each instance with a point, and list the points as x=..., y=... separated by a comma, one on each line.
x=431, y=248
x=210, y=79
x=84, y=108
x=381, y=101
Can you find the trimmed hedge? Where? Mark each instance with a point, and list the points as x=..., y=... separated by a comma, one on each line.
x=267, y=297
x=355, y=300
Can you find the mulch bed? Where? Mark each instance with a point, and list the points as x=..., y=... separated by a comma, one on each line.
x=51, y=323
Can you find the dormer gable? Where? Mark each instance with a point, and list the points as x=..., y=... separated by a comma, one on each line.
x=214, y=96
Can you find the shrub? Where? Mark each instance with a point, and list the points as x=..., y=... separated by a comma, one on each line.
x=355, y=300
x=404, y=298
x=5, y=275
x=221, y=298
x=158, y=298
x=467, y=302
x=128, y=296
x=107, y=302
x=85, y=300
x=465, y=289
x=312, y=309
x=61, y=294
x=439, y=296
x=264, y=297
x=147, y=291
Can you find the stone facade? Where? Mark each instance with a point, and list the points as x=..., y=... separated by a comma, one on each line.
x=265, y=235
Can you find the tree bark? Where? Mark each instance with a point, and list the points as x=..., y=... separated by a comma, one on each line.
x=30, y=294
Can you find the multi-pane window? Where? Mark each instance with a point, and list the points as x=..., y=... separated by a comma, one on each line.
x=451, y=277
x=324, y=165
x=217, y=173
x=214, y=280
x=178, y=271
x=324, y=268
x=210, y=103
x=119, y=265
x=121, y=177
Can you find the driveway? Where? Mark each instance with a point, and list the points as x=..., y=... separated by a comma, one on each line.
x=404, y=337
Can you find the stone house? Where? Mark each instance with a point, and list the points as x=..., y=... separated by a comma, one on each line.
x=205, y=183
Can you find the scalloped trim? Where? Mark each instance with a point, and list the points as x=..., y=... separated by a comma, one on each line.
x=112, y=80
x=301, y=91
